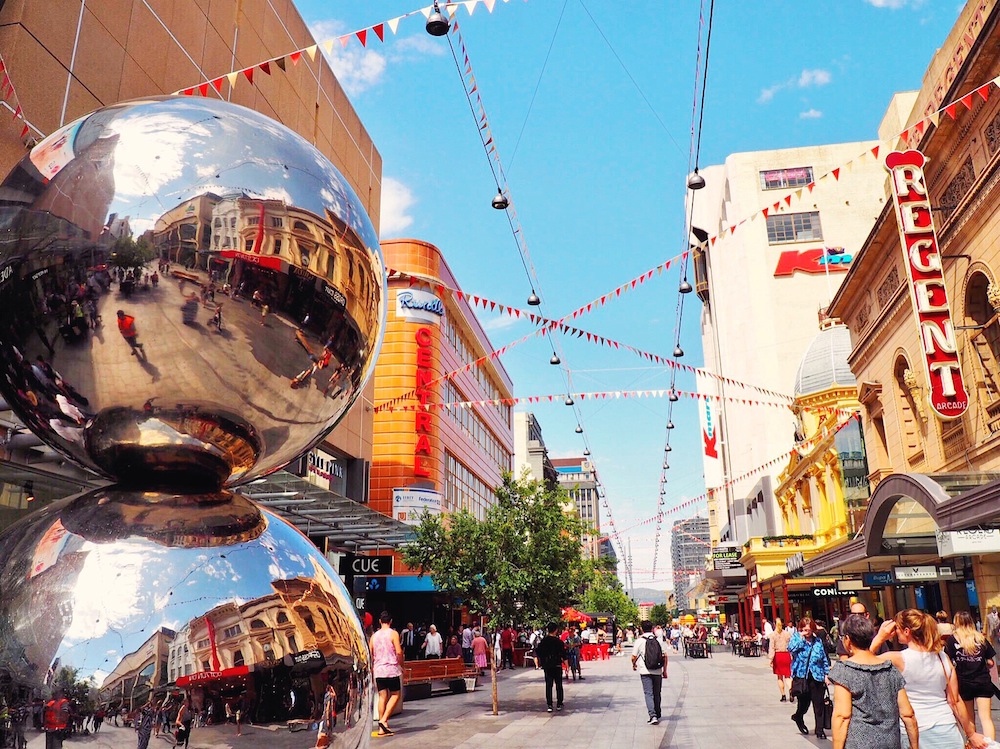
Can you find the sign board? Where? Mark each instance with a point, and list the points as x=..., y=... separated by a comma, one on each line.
x=373, y=566
x=409, y=504
x=326, y=471
x=819, y=260
x=968, y=543
x=711, y=437
x=877, y=579
x=916, y=573
x=726, y=558
x=829, y=591
x=928, y=290
x=795, y=564
x=851, y=586
x=416, y=305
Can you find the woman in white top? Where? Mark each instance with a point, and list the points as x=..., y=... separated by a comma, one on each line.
x=931, y=683
x=432, y=643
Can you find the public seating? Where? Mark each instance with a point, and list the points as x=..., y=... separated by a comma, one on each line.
x=697, y=648
x=422, y=679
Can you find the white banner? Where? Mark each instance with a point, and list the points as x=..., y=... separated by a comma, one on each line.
x=711, y=433
x=416, y=305
x=409, y=504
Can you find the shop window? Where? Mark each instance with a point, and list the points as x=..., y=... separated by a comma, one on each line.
x=908, y=392
x=774, y=179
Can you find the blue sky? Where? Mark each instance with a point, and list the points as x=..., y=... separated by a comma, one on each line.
x=590, y=106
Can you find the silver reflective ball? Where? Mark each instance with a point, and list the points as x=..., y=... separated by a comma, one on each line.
x=118, y=598
x=191, y=293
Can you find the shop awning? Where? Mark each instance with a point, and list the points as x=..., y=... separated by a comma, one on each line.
x=317, y=512
x=206, y=677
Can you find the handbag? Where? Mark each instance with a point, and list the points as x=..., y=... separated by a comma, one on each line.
x=827, y=711
x=799, y=688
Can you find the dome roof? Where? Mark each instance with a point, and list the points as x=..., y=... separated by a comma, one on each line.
x=825, y=362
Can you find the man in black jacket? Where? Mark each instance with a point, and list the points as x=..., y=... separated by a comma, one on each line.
x=551, y=652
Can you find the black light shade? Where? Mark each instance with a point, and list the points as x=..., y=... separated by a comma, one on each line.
x=586, y=451
x=500, y=201
x=685, y=287
x=673, y=396
x=678, y=352
x=555, y=360
x=695, y=181
x=569, y=400
x=579, y=429
x=533, y=300
x=665, y=466
x=437, y=24
x=667, y=448
x=670, y=425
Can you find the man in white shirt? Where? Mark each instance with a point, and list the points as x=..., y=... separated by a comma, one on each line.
x=652, y=679
x=585, y=635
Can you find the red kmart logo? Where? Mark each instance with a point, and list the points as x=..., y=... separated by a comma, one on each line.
x=815, y=261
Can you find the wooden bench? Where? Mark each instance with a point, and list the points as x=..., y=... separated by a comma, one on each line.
x=697, y=649
x=421, y=677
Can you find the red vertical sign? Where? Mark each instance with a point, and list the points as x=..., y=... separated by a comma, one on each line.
x=928, y=291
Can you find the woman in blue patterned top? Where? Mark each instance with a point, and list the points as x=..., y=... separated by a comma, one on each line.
x=810, y=664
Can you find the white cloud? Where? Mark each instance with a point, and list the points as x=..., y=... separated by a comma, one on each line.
x=397, y=199
x=814, y=78
x=893, y=4
x=499, y=323
x=806, y=79
x=810, y=114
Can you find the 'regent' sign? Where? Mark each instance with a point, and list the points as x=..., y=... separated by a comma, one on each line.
x=928, y=291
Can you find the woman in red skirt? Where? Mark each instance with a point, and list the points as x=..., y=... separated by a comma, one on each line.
x=781, y=660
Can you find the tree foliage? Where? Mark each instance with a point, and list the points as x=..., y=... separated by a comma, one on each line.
x=127, y=254
x=660, y=614
x=604, y=594
x=81, y=692
x=520, y=564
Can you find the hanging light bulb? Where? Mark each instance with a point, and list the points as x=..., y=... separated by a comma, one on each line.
x=685, y=287
x=678, y=352
x=579, y=429
x=437, y=24
x=500, y=202
x=569, y=400
x=555, y=360
x=695, y=181
x=533, y=300
x=586, y=452
x=673, y=395
x=665, y=465
x=667, y=448
x=670, y=425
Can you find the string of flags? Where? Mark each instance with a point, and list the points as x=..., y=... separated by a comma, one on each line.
x=11, y=99
x=703, y=498
x=364, y=36
x=602, y=395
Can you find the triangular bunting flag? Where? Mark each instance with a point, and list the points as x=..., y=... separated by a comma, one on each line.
x=280, y=62
x=489, y=4
x=362, y=36
x=379, y=30
x=393, y=24
x=810, y=186
x=295, y=57
x=984, y=91
x=788, y=200
x=185, y=92
x=203, y=89
x=935, y=118
x=24, y=131
x=217, y=85
x=875, y=152
x=231, y=77
x=427, y=11
x=836, y=173
x=764, y=211
x=967, y=101
x=248, y=72
x=311, y=51
x=950, y=110
x=265, y=67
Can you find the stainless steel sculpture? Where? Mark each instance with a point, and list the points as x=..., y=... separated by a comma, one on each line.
x=191, y=296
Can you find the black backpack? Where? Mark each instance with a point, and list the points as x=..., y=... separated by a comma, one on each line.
x=652, y=657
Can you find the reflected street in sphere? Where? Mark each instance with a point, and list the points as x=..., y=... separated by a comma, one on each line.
x=193, y=295
x=118, y=600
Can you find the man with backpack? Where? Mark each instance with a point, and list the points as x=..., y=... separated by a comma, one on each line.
x=650, y=660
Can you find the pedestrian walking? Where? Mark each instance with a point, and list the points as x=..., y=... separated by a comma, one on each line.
x=931, y=683
x=650, y=661
x=387, y=665
x=56, y=720
x=182, y=724
x=779, y=657
x=869, y=700
x=328, y=720
x=810, y=664
x=126, y=326
x=550, y=653
x=480, y=652
x=973, y=657
x=144, y=723
x=467, y=637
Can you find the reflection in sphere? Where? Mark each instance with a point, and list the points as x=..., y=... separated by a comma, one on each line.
x=191, y=293
x=99, y=600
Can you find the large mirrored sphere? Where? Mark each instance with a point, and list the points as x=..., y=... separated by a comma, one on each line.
x=190, y=292
x=118, y=598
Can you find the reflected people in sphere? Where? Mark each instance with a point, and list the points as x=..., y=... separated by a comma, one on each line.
x=197, y=255
x=226, y=606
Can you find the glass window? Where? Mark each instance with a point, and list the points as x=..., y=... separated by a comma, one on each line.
x=238, y=658
x=793, y=227
x=773, y=179
x=249, y=245
x=277, y=222
x=277, y=246
x=300, y=226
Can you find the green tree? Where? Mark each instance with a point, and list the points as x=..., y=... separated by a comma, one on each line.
x=127, y=254
x=660, y=614
x=604, y=594
x=520, y=564
x=79, y=691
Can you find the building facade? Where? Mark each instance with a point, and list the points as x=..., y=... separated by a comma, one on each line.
x=530, y=453
x=689, y=546
x=578, y=476
x=435, y=459
x=924, y=332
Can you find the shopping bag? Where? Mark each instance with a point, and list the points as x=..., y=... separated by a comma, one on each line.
x=827, y=711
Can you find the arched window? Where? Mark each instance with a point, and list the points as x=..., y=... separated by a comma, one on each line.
x=908, y=392
x=984, y=330
x=258, y=624
x=282, y=617
x=300, y=226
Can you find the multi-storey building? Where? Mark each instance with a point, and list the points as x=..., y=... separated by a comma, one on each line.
x=530, y=453
x=689, y=546
x=578, y=477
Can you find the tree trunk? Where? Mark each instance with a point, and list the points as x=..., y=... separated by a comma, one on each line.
x=493, y=677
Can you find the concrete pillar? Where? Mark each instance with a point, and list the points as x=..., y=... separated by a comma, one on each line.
x=986, y=570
